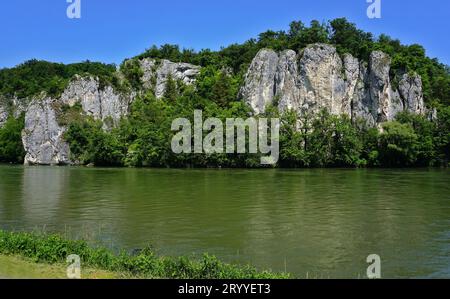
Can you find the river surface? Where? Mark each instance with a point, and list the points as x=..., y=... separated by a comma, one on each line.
x=312, y=223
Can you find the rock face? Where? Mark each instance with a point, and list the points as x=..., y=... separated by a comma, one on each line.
x=102, y=104
x=318, y=78
x=410, y=89
x=14, y=107
x=156, y=74
x=259, y=88
x=3, y=113
x=321, y=80
x=287, y=90
x=43, y=137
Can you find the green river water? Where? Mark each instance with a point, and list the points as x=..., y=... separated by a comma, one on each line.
x=320, y=223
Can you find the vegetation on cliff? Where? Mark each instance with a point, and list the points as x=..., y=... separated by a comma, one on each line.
x=35, y=76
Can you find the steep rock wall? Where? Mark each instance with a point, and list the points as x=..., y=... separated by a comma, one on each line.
x=318, y=78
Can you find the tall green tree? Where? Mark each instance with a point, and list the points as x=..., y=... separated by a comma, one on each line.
x=398, y=145
x=11, y=147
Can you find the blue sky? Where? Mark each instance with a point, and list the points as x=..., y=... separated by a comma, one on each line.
x=111, y=30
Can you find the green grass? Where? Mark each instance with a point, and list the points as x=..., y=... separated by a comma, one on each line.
x=54, y=249
x=17, y=267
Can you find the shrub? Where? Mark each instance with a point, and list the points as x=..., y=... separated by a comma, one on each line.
x=54, y=249
x=11, y=147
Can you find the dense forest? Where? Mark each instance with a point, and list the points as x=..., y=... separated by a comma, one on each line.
x=143, y=138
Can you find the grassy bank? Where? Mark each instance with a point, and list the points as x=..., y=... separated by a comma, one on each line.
x=17, y=267
x=22, y=249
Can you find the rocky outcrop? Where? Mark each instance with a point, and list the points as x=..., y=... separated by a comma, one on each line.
x=259, y=87
x=410, y=90
x=19, y=106
x=156, y=74
x=321, y=80
x=100, y=103
x=287, y=90
x=318, y=78
x=11, y=107
x=43, y=137
x=3, y=113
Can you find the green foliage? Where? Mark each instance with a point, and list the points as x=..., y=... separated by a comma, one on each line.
x=425, y=131
x=442, y=136
x=144, y=138
x=89, y=143
x=34, y=76
x=132, y=71
x=398, y=145
x=339, y=32
x=146, y=264
x=300, y=36
x=294, y=142
x=217, y=86
x=171, y=91
x=11, y=148
x=349, y=39
x=325, y=141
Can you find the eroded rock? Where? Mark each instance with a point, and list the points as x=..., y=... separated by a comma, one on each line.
x=43, y=136
x=319, y=79
x=259, y=83
x=411, y=92
x=3, y=113
x=100, y=103
x=156, y=74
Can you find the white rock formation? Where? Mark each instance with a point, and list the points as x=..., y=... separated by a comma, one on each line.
x=43, y=137
x=101, y=104
x=287, y=90
x=319, y=79
x=3, y=113
x=156, y=74
x=259, y=87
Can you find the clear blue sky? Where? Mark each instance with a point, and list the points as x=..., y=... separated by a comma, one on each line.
x=111, y=30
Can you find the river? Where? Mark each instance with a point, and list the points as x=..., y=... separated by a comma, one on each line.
x=317, y=223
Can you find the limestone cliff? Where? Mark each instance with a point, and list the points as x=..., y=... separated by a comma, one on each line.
x=306, y=82
x=43, y=137
x=101, y=103
x=318, y=78
x=3, y=113
x=156, y=74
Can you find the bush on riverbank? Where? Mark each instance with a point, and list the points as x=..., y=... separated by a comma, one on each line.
x=143, y=139
x=55, y=249
x=11, y=147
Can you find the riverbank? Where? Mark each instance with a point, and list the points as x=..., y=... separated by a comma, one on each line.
x=17, y=267
x=29, y=255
